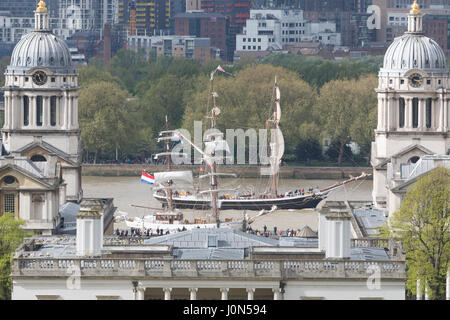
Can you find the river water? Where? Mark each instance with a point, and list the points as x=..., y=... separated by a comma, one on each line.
x=128, y=191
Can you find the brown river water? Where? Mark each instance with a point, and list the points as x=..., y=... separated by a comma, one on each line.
x=128, y=191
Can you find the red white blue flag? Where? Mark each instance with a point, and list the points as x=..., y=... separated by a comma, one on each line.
x=146, y=178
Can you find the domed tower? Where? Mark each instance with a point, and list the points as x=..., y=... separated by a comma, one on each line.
x=413, y=117
x=41, y=103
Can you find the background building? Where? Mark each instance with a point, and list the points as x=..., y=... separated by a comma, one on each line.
x=204, y=25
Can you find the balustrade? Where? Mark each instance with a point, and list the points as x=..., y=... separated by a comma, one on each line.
x=205, y=268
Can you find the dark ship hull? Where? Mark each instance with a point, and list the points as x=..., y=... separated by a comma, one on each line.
x=296, y=202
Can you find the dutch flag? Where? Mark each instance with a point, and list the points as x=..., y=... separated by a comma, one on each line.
x=146, y=178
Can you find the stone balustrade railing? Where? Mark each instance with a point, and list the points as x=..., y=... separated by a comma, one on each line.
x=169, y=268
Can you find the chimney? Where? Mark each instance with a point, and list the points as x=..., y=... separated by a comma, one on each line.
x=338, y=235
x=89, y=232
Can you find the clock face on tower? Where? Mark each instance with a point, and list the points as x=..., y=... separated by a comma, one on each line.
x=40, y=78
x=415, y=80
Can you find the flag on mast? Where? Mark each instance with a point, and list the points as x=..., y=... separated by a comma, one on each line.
x=146, y=178
x=219, y=68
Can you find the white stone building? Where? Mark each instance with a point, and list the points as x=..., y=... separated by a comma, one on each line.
x=272, y=29
x=413, y=111
x=40, y=167
x=211, y=264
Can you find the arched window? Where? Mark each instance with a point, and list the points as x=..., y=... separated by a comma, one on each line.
x=401, y=112
x=53, y=111
x=38, y=158
x=26, y=110
x=428, y=112
x=39, y=111
x=415, y=112
x=413, y=159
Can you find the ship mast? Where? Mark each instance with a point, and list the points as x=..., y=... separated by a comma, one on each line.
x=213, y=165
x=169, y=165
x=275, y=121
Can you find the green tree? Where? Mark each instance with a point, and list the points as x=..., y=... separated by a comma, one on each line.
x=11, y=236
x=4, y=62
x=422, y=225
x=246, y=101
x=107, y=119
x=346, y=111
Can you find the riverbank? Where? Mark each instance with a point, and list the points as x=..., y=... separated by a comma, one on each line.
x=288, y=172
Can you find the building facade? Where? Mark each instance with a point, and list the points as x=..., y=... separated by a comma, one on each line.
x=204, y=25
x=413, y=110
x=41, y=160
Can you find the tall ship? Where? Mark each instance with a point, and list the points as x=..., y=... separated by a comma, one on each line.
x=227, y=199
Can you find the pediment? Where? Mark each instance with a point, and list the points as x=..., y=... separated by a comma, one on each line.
x=405, y=155
x=44, y=149
x=24, y=179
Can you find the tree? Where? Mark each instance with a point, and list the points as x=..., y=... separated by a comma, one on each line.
x=11, y=236
x=107, y=120
x=245, y=101
x=346, y=110
x=422, y=225
x=4, y=62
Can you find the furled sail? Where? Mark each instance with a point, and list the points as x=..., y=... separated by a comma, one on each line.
x=277, y=115
x=179, y=178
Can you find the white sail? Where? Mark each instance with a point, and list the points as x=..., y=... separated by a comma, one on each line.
x=179, y=178
x=277, y=93
x=276, y=152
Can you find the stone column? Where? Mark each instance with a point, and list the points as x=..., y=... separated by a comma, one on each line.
x=224, y=292
x=250, y=293
x=386, y=111
x=408, y=113
x=69, y=112
x=193, y=293
x=5, y=125
x=440, y=118
x=447, y=291
x=140, y=292
x=75, y=112
x=445, y=115
x=13, y=113
x=380, y=113
x=427, y=291
x=276, y=294
x=167, y=292
x=46, y=108
x=65, y=107
x=421, y=124
x=419, y=291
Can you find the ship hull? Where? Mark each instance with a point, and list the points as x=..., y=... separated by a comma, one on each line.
x=302, y=202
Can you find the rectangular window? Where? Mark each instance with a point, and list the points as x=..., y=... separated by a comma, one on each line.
x=9, y=203
x=39, y=111
x=428, y=112
x=53, y=111
x=26, y=110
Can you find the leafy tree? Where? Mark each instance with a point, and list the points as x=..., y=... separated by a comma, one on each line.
x=4, y=62
x=91, y=74
x=245, y=101
x=422, y=225
x=11, y=236
x=307, y=150
x=346, y=110
x=106, y=119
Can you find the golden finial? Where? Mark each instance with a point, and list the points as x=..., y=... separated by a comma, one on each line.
x=415, y=8
x=41, y=7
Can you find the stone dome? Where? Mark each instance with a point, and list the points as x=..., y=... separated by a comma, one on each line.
x=41, y=49
x=414, y=51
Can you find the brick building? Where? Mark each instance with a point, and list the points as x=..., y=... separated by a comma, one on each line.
x=204, y=25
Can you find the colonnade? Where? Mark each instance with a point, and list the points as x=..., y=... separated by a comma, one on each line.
x=167, y=291
x=389, y=113
x=66, y=111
